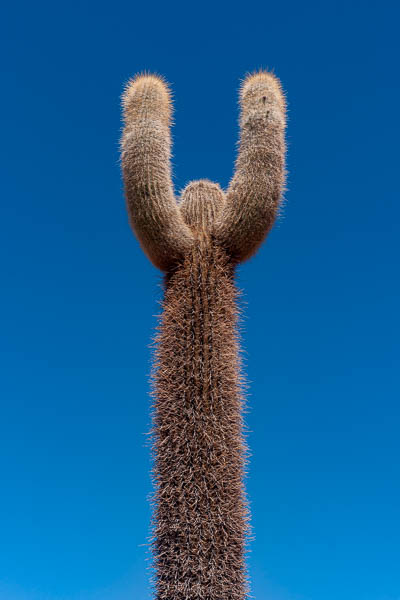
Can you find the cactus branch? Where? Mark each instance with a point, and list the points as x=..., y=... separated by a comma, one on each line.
x=253, y=196
x=146, y=150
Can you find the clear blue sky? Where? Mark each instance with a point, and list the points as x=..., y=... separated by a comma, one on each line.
x=79, y=299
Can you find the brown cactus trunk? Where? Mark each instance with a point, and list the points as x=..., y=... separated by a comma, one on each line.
x=200, y=518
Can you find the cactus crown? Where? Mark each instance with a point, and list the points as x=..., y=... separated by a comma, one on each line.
x=202, y=203
x=238, y=218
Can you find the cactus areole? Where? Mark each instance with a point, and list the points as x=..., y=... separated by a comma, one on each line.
x=200, y=518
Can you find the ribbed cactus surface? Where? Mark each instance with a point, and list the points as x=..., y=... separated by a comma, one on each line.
x=200, y=517
x=200, y=511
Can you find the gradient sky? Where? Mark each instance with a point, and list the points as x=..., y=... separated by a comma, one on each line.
x=79, y=299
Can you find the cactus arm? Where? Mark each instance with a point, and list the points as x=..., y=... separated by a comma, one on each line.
x=253, y=196
x=146, y=153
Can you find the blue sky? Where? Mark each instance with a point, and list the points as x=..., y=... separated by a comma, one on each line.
x=79, y=298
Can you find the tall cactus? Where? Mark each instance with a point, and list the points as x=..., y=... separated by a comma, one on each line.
x=200, y=513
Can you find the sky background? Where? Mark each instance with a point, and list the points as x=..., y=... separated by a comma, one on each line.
x=79, y=299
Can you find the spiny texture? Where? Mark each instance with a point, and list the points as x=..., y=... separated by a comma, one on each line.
x=200, y=514
x=202, y=202
x=253, y=195
x=146, y=153
x=200, y=511
x=252, y=198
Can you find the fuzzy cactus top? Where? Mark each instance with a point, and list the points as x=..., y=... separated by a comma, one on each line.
x=249, y=205
x=200, y=517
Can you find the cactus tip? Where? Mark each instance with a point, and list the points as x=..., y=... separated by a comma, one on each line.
x=259, y=79
x=147, y=83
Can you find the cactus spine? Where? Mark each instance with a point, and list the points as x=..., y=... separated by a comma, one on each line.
x=200, y=516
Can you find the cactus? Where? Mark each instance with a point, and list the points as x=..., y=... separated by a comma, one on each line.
x=200, y=518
